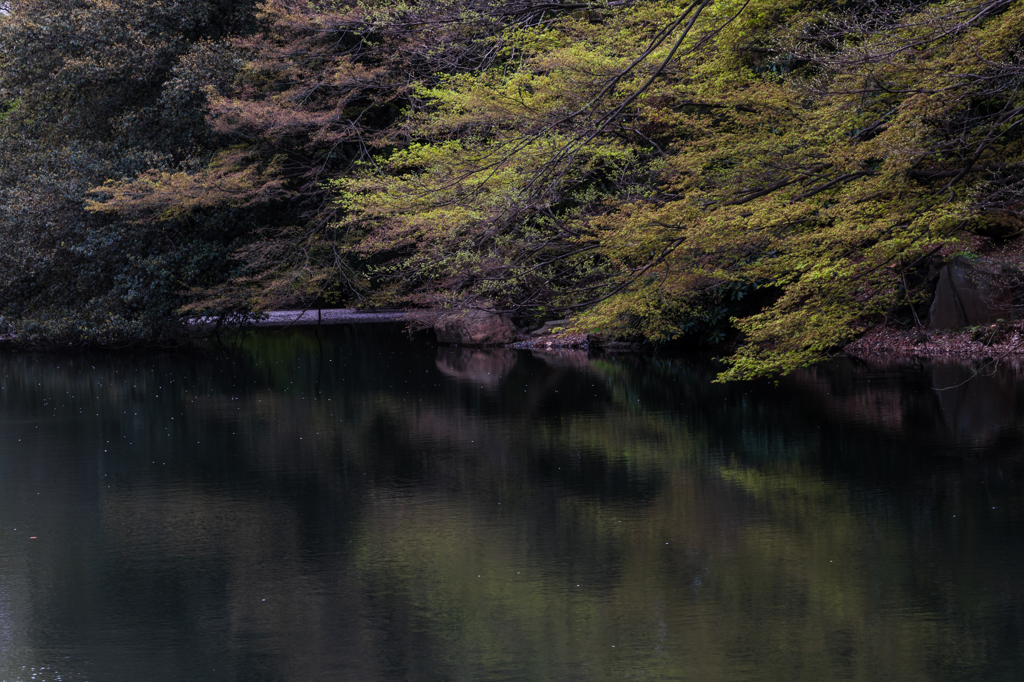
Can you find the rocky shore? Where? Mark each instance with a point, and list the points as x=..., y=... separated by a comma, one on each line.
x=977, y=343
x=980, y=342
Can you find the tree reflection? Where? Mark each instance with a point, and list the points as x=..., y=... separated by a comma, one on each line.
x=409, y=512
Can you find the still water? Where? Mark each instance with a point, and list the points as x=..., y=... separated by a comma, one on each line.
x=366, y=506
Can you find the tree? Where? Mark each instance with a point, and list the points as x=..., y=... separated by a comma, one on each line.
x=95, y=91
x=659, y=169
x=649, y=167
x=321, y=88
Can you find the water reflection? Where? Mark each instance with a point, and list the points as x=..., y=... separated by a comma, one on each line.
x=368, y=506
x=477, y=366
x=970, y=404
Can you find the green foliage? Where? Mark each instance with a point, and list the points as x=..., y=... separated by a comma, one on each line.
x=642, y=166
x=94, y=92
x=768, y=143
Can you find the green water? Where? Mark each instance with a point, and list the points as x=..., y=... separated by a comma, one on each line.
x=366, y=506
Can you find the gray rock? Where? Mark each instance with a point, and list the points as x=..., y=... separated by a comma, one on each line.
x=1000, y=224
x=475, y=328
x=969, y=294
x=549, y=327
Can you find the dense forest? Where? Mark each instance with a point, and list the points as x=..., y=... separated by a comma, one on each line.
x=775, y=174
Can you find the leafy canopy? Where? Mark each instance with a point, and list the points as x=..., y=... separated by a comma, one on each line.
x=644, y=166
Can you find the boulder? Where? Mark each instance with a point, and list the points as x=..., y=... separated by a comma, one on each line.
x=548, y=328
x=969, y=294
x=475, y=328
x=1000, y=224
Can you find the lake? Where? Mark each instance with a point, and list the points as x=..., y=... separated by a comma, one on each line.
x=359, y=504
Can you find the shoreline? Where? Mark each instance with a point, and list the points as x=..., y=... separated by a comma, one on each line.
x=991, y=342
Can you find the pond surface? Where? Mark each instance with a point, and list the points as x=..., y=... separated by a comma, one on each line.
x=366, y=506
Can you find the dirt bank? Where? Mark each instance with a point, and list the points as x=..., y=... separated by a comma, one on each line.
x=995, y=341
